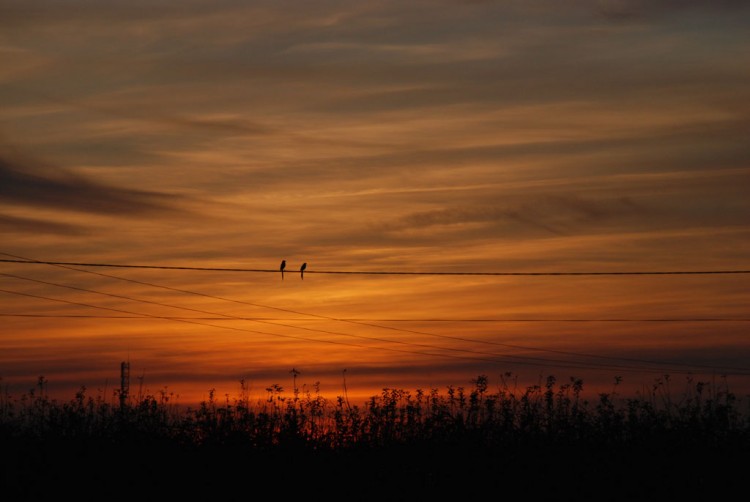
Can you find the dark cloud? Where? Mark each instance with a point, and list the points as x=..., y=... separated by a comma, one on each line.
x=16, y=13
x=556, y=214
x=640, y=9
x=583, y=209
x=27, y=184
x=14, y=224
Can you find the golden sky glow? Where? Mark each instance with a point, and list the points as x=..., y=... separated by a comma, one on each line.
x=602, y=135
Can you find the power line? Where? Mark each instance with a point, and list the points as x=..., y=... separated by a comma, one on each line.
x=381, y=272
x=449, y=337
x=144, y=315
x=487, y=342
x=226, y=316
x=434, y=347
x=362, y=323
x=89, y=316
x=355, y=319
x=391, y=349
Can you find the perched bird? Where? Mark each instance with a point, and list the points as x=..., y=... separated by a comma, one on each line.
x=282, y=267
x=302, y=271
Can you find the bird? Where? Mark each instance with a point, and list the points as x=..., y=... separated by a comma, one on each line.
x=282, y=267
x=302, y=271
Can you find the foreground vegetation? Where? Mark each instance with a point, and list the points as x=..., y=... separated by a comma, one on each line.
x=545, y=439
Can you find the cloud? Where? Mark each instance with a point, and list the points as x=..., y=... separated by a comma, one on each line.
x=558, y=214
x=27, y=183
x=639, y=9
x=13, y=224
x=444, y=164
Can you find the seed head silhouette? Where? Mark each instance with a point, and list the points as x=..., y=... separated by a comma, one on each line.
x=302, y=271
x=281, y=268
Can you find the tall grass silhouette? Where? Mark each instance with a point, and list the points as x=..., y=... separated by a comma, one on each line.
x=397, y=442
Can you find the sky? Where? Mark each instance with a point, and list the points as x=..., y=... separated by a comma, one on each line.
x=381, y=136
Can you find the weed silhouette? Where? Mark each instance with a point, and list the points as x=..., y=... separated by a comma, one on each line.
x=398, y=444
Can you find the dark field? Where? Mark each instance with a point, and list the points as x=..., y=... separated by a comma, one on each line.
x=543, y=442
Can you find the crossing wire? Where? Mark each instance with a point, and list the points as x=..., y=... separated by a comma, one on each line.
x=234, y=328
x=362, y=323
x=398, y=320
x=378, y=272
x=640, y=361
x=334, y=342
x=526, y=359
x=520, y=347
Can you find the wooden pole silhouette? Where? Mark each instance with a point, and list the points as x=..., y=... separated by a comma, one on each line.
x=124, y=383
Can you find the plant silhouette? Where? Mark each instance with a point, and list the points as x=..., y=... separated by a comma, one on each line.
x=414, y=443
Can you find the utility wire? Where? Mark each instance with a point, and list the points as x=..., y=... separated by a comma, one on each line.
x=392, y=328
x=487, y=342
x=355, y=319
x=373, y=272
x=334, y=342
x=369, y=338
x=152, y=316
x=433, y=347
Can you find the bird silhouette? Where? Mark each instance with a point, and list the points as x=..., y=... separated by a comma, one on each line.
x=302, y=271
x=282, y=267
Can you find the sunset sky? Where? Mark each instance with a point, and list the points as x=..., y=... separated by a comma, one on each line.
x=381, y=136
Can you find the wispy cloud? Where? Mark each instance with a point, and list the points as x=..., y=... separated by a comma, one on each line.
x=28, y=183
x=556, y=214
x=643, y=9
x=14, y=224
